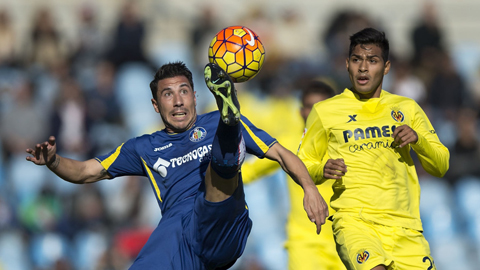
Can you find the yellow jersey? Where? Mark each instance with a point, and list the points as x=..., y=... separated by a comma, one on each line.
x=306, y=249
x=381, y=182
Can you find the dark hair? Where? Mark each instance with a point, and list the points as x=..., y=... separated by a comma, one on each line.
x=370, y=36
x=317, y=87
x=170, y=70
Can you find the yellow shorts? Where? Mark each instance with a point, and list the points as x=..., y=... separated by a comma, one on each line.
x=313, y=256
x=363, y=245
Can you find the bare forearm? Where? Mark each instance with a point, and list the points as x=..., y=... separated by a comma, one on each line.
x=292, y=165
x=77, y=172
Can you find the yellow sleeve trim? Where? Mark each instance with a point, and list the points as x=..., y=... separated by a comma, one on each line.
x=152, y=179
x=109, y=161
x=257, y=140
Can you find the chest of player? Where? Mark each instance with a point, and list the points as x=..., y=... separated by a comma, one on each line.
x=181, y=156
x=365, y=126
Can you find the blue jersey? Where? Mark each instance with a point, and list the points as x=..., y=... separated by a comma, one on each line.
x=176, y=163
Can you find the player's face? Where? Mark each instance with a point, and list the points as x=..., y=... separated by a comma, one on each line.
x=176, y=104
x=366, y=69
x=308, y=102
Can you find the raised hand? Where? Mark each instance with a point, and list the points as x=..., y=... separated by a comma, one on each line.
x=44, y=153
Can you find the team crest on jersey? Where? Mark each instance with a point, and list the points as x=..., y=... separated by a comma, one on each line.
x=362, y=256
x=397, y=115
x=197, y=134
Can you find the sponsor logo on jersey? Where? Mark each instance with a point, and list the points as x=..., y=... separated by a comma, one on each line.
x=161, y=167
x=397, y=115
x=163, y=147
x=367, y=133
x=362, y=256
x=352, y=118
x=197, y=134
x=201, y=153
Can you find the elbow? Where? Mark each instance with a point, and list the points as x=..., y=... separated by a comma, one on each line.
x=441, y=170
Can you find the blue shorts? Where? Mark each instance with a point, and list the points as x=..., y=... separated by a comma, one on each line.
x=198, y=234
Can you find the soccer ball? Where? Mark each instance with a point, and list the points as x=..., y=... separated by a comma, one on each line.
x=238, y=51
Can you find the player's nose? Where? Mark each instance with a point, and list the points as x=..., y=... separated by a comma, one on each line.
x=177, y=100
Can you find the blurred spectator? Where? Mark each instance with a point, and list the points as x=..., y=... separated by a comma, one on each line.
x=89, y=48
x=405, y=83
x=447, y=91
x=204, y=29
x=104, y=113
x=113, y=259
x=124, y=206
x=47, y=43
x=88, y=210
x=335, y=36
x=7, y=39
x=127, y=42
x=69, y=119
x=427, y=34
x=465, y=154
x=23, y=122
x=41, y=213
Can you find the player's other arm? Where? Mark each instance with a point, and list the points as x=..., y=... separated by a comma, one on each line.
x=74, y=171
x=314, y=204
x=313, y=152
x=433, y=155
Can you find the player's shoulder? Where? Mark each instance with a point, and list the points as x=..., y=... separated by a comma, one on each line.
x=394, y=98
x=209, y=116
x=328, y=103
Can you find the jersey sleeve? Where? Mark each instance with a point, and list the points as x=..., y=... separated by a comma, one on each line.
x=124, y=160
x=257, y=141
x=433, y=155
x=313, y=147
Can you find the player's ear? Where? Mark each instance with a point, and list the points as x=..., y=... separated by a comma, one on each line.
x=195, y=98
x=387, y=67
x=155, y=105
x=346, y=62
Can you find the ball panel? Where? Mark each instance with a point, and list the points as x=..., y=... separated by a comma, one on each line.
x=233, y=46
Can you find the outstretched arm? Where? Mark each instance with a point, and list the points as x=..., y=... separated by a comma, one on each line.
x=74, y=171
x=313, y=202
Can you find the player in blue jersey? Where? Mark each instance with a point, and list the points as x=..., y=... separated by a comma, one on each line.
x=193, y=166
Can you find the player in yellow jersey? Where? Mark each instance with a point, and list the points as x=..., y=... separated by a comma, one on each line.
x=306, y=250
x=367, y=134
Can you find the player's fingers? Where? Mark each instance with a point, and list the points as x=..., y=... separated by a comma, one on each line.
x=333, y=174
x=340, y=167
x=51, y=140
x=45, y=150
x=409, y=138
x=336, y=165
x=37, y=151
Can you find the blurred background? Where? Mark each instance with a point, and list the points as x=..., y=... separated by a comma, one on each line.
x=80, y=70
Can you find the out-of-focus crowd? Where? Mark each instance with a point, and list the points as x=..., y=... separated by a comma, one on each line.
x=92, y=94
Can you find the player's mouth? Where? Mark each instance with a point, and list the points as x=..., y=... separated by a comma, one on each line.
x=362, y=80
x=179, y=114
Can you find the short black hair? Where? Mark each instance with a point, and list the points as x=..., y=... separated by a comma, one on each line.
x=370, y=36
x=317, y=87
x=170, y=70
